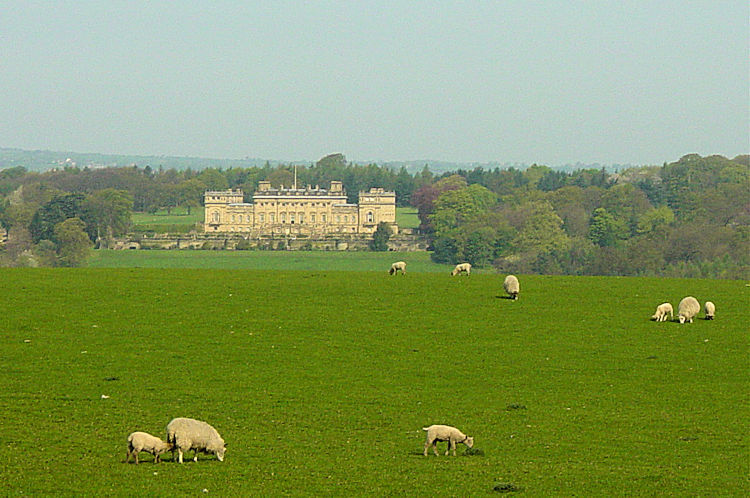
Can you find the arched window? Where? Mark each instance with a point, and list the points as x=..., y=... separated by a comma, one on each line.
x=271, y=217
x=262, y=217
x=232, y=218
x=282, y=218
x=215, y=217
x=370, y=217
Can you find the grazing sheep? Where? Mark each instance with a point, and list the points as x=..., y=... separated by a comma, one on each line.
x=437, y=433
x=710, y=310
x=688, y=309
x=395, y=267
x=142, y=441
x=189, y=434
x=511, y=286
x=461, y=268
x=661, y=312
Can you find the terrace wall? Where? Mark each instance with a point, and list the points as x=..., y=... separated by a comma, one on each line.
x=224, y=241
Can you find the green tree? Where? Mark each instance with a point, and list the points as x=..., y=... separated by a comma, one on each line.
x=190, y=193
x=381, y=237
x=655, y=220
x=626, y=204
x=281, y=177
x=542, y=231
x=606, y=230
x=479, y=249
x=456, y=207
x=57, y=210
x=213, y=179
x=19, y=214
x=109, y=211
x=535, y=172
x=568, y=203
x=73, y=243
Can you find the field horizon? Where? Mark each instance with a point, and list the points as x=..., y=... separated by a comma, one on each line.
x=320, y=382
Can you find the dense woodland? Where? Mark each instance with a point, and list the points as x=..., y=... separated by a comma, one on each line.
x=689, y=218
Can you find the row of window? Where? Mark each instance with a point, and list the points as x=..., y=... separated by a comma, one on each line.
x=293, y=218
x=274, y=204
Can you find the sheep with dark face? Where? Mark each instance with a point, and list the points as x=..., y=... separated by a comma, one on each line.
x=710, y=310
x=396, y=267
x=464, y=268
x=688, y=309
x=661, y=312
x=511, y=286
x=447, y=433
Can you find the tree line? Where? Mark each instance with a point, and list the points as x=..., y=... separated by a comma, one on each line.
x=686, y=218
x=689, y=218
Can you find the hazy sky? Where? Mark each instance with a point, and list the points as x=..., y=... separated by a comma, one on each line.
x=551, y=82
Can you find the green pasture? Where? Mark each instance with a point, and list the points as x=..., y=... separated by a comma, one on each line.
x=267, y=260
x=178, y=216
x=406, y=217
x=320, y=383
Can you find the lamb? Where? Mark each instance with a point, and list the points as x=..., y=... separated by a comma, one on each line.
x=395, y=267
x=437, y=433
x=710, y=310
x=461, y=268
x=688, y=309
x=189, y=434
x=511, y=286
x=661, y=312
x=142, y=441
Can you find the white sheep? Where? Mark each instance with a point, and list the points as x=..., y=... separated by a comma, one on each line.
x=661, y=312
x=142, y=441
x=710, y=310
x=688, y=309
x=461, y=268
x=189, y=434
x=437, y=433
x=511, y=286
x=395, y=267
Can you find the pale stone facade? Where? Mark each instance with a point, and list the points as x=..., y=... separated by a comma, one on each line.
x=298, y=211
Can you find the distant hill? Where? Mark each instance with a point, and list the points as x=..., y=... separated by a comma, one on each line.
x=43, y=160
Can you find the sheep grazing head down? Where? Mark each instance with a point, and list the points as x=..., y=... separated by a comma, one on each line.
x=469, y=441
x=219, y=451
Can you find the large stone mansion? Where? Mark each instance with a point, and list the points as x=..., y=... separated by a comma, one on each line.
x=298, y=211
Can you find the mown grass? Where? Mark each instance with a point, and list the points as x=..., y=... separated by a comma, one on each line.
x=320, y=383
x=406, y=217
x=267, y=260
x=178, y=216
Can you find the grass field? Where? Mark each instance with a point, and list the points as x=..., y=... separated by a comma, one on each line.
x=267, y=260
x=320, y=383
x=406, y=217
x=178, y=216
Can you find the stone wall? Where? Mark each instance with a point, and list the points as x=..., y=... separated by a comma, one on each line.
x=400, y=242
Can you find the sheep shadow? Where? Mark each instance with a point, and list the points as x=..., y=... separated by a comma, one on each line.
x=506, y=297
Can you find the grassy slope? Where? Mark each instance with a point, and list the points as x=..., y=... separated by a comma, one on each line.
x=320, y=382
x=179, y=216
x=406, y=217
x=266, y=260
